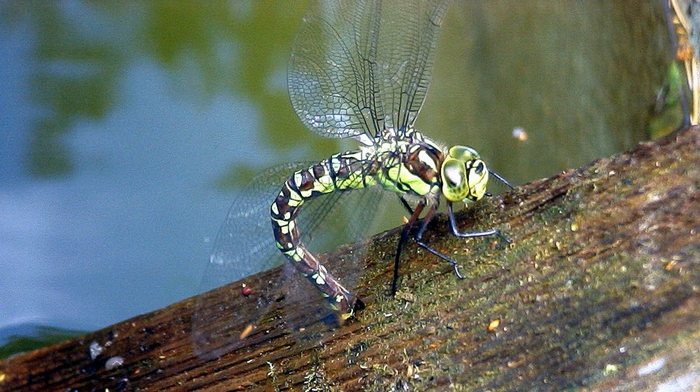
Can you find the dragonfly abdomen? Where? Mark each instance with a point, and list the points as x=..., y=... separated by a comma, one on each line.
x=341, y=172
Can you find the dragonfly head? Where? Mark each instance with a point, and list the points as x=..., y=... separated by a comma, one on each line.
x=464, y=175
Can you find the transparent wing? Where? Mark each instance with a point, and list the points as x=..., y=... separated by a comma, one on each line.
x=245, y=246
x=360, y=66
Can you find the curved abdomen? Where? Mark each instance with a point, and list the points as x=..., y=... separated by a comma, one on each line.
x=340, y=172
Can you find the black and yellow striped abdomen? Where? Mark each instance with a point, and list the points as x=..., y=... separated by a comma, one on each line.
x=340, y=172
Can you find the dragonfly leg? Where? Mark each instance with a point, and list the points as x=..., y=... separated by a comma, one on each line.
x=418, y=237
x=406, y=205
x=474, y=234
x=455, y=231
x=405, y=233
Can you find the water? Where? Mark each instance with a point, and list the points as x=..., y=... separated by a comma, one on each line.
x=127, y=129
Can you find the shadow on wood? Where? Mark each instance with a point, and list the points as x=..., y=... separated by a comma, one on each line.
x=600, y=288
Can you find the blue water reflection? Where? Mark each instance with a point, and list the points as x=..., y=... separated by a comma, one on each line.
x=126, y=231
x=122, y=224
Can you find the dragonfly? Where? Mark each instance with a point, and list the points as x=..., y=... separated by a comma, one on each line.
x=360, y=70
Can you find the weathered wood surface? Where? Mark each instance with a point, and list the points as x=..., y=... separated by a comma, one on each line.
x=600, y=288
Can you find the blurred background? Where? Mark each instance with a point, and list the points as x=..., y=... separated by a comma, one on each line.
x=127, y=129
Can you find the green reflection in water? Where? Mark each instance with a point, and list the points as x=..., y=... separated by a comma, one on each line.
x=80, y=54
x=578, y=77
x=30, y=337
x=72, y=78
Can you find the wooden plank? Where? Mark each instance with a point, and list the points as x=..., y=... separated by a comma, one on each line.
x=598, y=289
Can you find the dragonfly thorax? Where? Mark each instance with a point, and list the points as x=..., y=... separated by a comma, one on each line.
x=464, y=175
x=409, y=164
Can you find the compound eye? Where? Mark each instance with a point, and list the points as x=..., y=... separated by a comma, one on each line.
x=454, y=180
x=478, y=177
x=463, y=153
x=453, y=176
